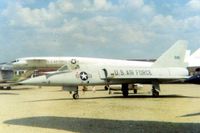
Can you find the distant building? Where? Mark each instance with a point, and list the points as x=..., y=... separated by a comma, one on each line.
x=6, y=72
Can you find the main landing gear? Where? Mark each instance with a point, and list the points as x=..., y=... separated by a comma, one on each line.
x=135, y=91
x=155, y=89
x=125, y=90
x=107, y=88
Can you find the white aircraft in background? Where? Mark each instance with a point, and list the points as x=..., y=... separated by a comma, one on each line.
x=53, y=63
x=170, y=67
x=57, y=62
x=196, y=54
x=194, y=59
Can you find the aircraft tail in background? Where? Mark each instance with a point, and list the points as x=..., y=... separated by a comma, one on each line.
x=196, y=54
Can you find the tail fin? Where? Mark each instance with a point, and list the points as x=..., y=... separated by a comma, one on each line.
x=196, y=54
x=174, y=56
x=187, y=55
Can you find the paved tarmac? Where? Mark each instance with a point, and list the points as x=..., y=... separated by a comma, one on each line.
x=27, y=109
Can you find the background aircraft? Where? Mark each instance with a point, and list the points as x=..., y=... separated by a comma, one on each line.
x=170, y=67
x=194, y=62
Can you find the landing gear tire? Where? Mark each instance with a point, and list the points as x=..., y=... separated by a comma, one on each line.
x=75, y=96
x=135, y=91
x=125, y=90
x=155, y=93
x=155, y=88
x=125, y=93
x=106, y=88
x=8, y=88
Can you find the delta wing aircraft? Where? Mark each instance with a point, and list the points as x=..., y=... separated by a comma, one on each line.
x=34, y=66
x=47, y=65
x=168, y=68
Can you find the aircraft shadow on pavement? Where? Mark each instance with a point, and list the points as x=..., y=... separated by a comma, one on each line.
x=20, y=89
x=90, y=125
x=16, y=89
x=46, y=100
x=6, y=93
x=161, y=96
x=114, y=97
x=190, y=115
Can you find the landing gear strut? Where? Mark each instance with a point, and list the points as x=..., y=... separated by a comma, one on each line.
x=125, y=90
x=134, y=88
x=76, y=95
x=155, y=89
x=107, y=88
x=72, y=89
x=135, y=91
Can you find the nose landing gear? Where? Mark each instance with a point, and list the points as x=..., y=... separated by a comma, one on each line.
x=76, y=95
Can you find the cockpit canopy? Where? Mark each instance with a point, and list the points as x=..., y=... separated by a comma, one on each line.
x=17, y=60
x=64, y=68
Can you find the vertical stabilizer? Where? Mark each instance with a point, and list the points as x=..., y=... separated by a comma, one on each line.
x=174, y=56
x=187, y=56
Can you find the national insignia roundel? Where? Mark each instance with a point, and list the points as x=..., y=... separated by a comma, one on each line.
x=83, y=76
x=73, y=61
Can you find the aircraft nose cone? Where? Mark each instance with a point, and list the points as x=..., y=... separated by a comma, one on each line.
x=34, y=81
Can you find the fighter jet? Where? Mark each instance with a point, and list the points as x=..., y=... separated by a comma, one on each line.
x=169, y=67
x=34, y=66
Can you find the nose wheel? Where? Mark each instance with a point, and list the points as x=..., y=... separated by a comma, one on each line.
x=75, y=96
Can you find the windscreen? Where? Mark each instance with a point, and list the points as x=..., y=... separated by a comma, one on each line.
x=63, y=68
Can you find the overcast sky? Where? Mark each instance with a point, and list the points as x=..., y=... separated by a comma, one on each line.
x=96, y=28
